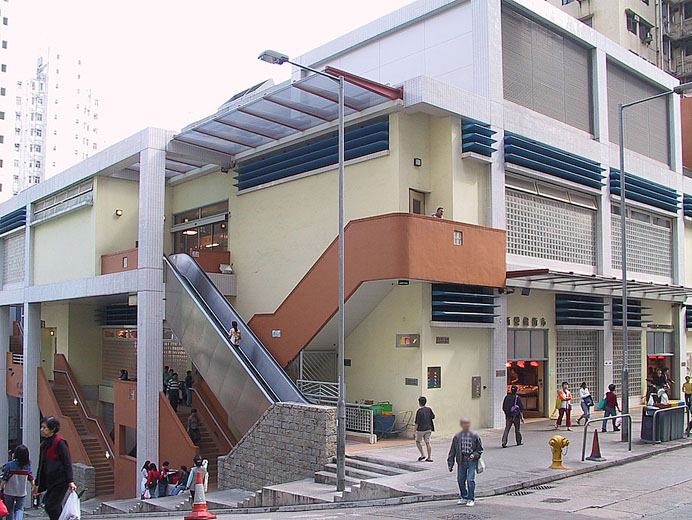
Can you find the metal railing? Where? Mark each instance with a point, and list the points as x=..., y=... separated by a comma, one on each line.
x=218, y=426
x=88, y=417
x=654, y=429
x=611, y=417
x=359, y=417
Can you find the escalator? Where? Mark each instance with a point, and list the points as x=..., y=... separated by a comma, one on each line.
x=246, y=379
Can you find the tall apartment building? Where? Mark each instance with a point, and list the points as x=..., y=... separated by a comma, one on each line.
x=56, y=120
x=6, y=103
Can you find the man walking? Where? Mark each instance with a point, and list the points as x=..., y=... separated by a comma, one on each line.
x=173, y=392
x=687, y=390
x=424, y=428
x=466, y=450
x=514, y=415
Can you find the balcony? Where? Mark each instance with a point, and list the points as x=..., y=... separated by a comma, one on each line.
x=678, y=30
x=210, y=261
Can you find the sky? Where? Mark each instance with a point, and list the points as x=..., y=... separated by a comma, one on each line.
x=167, y=63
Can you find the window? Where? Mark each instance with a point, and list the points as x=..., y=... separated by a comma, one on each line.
x=38, y=165
x=458, y=238
x=16, y=147
x=39, y=101
x=2, y=139
x=202, y=228
x=37, y=147
x=632, y=20
x=2, y=115
x=546, y=71
x=94, y=146
x=3, y=91
x=687, y=10
x=4, y=44
x=39, y=117
x=659, y=343
x=4, y=20
x=565, y=2
x=645, y=33
x=649, y=242
x=688, y=48
x=38, y=132
x=3, y=68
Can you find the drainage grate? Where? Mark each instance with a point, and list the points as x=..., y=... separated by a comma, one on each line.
x=542, y=487
x=464, y=516
x=519, y=493
x=555, y=500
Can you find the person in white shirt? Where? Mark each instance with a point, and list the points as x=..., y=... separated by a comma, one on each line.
x=586, y=403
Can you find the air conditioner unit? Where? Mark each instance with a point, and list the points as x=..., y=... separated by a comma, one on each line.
x=648, y=39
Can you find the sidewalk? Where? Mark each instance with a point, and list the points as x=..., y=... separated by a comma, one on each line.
x=512, y=468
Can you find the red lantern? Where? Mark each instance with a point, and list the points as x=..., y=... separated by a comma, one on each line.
x=661, y=357
x=534, y=363
x=508, y=364
x=521, y=364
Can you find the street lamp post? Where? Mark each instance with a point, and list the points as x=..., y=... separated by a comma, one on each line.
x=623, y=233
x=277, y=58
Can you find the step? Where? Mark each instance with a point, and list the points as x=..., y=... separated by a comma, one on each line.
x=373, y=467
x=360, y=474
x=326, y=477
x=408, y=466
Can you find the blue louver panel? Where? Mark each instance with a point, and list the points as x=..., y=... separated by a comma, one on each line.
x=324, y=152
x=463, y=303
x=645, y=191
x=13, y=220
x=476, y=136
x=687, y=204
x=636, y=315
x=553, y=161
x=116, y=315
x=688, y=317
x=576, y=309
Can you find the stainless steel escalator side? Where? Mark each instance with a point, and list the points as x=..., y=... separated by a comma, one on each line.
x=253, y=349
x=243, y=394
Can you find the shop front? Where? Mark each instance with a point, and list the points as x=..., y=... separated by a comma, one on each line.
x=527, y=356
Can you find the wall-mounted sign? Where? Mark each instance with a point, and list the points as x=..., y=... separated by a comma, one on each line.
x=501, y=373
x=475, y=387
x=411, y=381
x=442, y=340
x=276, y=333
x=407, y=340
x=434, y=377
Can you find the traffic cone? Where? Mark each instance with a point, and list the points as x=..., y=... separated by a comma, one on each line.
x=595, y=449
x=199, y=508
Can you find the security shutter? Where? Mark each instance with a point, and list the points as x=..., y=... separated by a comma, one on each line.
x=13, y=258
x=634, y=356
x=545, y=71
x=577, y=360
x=119, y=354
x=646, y=124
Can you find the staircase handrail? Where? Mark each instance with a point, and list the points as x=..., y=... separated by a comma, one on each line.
x=218, y=426
x=86, y=414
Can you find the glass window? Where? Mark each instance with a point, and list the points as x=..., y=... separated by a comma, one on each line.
x=214, y=209
x=187, y=216
x=631, y=23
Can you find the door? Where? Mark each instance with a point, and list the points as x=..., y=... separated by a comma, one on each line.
x=416, y=202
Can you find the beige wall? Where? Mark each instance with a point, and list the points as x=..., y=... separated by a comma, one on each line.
x=115, y=233
x=64, y=247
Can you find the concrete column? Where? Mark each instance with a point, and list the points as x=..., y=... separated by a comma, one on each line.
x=679, y=369
x=497, y=357
x=606, y=375
x=4, y=349
x=150, y=304
x=32, y=362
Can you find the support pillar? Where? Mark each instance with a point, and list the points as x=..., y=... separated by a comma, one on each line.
x=31, y=436
x=150, y=303
x=4, y=405
x=497, y=359
x=605, y=376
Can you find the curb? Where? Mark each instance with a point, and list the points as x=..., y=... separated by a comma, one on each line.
x=413, y=499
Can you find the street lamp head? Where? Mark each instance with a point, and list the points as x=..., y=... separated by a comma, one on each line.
x=273, y=57
x=683, y=87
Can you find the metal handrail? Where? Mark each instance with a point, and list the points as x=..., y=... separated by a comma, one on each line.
x=88, y=417
x=655, y=417
x=622, y=415
x=201, y=400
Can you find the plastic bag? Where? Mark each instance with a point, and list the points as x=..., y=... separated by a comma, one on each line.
x=3, y=509
x=618, y=422
x=481, y=466
x=71, y=509
x=147, y=494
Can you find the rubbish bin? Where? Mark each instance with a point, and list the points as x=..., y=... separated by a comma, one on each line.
x=670, y=423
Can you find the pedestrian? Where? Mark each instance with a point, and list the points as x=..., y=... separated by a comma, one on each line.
x=424, y=428
x=193, y=424
x=514, y=415
x=168, y=378
x=145, y=474
x=564, y=397
x=192, y=479
x=163, y=479
x=182, y=481
x=54, y=468
x=165, y=377
x=586, y=402
x=124, y=375
x=439, y=213
x=611, y=405
x=466, y=450
x=15, y=475
x=668, y=381
x=189, y=381
x=173, y=391
x=234, y=334
x=153, y=477
x=659, y=378
x=687, y=390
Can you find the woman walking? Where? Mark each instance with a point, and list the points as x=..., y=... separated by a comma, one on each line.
x=145, y=476
x=54, y=468
x=612, y=407
x=153, y=477
x=193, y=424
x=17, y=473
x=234, y=334
x=586, y=403
x=564, y=397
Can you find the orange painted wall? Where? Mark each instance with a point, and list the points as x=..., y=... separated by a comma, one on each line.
x=113, y=262
x=175, y=445
x=15, y=378
x=392, y=246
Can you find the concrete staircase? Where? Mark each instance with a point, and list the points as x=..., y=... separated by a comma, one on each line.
x=92, y=444
x=363, y=482
x=208, y=446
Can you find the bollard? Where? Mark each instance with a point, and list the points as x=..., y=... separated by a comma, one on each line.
x=556, y=443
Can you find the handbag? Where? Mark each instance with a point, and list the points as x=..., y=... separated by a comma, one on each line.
x=601, y=404
x=3, y=509
x=588, y=401
x=480, y=468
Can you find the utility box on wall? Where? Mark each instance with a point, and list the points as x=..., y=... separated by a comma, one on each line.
x=475, y=387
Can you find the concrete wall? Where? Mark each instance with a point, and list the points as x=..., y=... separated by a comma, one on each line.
x=85, y=479
x=289, y=442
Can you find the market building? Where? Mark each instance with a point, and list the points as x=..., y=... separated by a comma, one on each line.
x=502, y=113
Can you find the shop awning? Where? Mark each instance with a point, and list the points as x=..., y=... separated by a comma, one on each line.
x=287, y=110
x=556, y=281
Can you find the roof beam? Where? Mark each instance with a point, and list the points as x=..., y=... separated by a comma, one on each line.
x=178, y=149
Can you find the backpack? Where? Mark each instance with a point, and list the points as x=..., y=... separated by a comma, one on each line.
x=515, y=409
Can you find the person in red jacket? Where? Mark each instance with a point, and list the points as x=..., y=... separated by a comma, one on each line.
x=153, y=478
x=611, y=407
x=54, y=468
